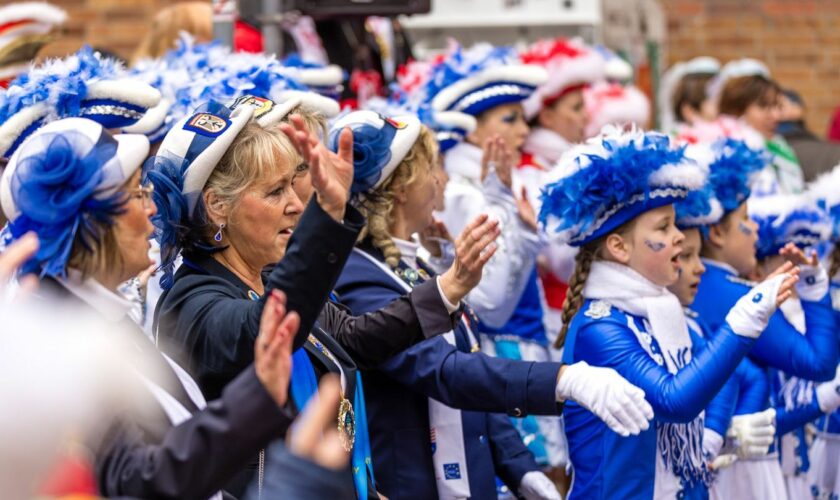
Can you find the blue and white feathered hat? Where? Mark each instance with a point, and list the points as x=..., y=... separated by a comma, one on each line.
x=379, y=145
x=825, y=190
x=483, y=77
x=193, y=74
x=84, y=85
x=61, y=181
x=731, y=166
x=784, y=219
x=327, y=80
x=611, y=179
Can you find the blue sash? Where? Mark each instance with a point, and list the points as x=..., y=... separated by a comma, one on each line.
x=304, y=386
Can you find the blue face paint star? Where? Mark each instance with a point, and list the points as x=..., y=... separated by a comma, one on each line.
x=656, y=246
x=744, y=228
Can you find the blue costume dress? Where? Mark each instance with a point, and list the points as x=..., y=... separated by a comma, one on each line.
x=824, y=472
x=784, y=349
x=610, y=466
x=398, y=392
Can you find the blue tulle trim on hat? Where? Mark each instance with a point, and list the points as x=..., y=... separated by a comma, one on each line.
x=371, y=153
x=55, y=193
x=172, y=224
x=695, y=206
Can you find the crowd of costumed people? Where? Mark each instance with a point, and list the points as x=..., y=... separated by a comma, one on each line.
x=500, y=276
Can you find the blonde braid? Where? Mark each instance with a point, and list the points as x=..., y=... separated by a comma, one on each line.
x=574, y=294
x=377, y=205
x=835, y=262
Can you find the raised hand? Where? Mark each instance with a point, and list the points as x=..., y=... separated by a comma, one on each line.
x=496, y=157
x=526, y=211
x=332, y=173
x=749, y=316
x=813, y=278
x=14, y=257
x=315, y=435
x=473, y=248
x=620, y=404
x=273, y=347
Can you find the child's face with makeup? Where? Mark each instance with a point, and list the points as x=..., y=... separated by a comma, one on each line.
x=654, y=245
x=506, y=121
x=738, y=236
x=691, y=268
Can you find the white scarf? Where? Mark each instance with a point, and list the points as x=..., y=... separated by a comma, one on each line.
x=680, y=445
x=547, y=144
x=445, y=423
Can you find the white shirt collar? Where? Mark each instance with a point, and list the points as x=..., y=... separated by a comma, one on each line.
x=547, y=144
x=720, y=265
x=107, y=303
x=465, y=160
x=408, y=251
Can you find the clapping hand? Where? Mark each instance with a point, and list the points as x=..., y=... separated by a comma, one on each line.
x=14, y=257
x=473, y=248
x=315, y=435
x=332, y=173
x=273, y=347
x=497, y=158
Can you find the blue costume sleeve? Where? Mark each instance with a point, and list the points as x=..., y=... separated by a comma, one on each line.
x=467, y=381
x=511, y=457
x=722, y=406
x=674, y=397
x=788, y=420
x=812, y=356
x=753, y=388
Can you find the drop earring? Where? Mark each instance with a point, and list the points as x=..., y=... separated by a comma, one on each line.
x=218, y=236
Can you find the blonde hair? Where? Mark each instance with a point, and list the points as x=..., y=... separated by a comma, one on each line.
x=315, y=121
x=587, y=254
x=195, y=18
x=252, y=156
x=378, y=204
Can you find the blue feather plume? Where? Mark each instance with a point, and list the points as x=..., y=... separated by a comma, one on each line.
x=731, y=172
x=460, y=63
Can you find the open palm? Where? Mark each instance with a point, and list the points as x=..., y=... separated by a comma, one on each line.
x=332, y=173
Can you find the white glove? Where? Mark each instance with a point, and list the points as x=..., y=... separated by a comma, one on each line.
x=813, y=283
x=537, y=486
x=749, y=316
x=608, y=395
x=753, y=433
x=828, y=394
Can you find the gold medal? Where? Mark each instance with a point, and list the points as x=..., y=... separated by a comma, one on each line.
x=346, y=424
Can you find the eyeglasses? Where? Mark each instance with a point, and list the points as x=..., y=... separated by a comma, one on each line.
x=143, y=193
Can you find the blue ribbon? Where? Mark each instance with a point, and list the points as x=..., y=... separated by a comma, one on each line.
x=304, y=386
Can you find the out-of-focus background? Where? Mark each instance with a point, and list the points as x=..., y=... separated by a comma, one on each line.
x=798, y=39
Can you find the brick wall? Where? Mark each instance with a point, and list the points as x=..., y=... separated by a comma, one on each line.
x=114, y=25
x=799, y=40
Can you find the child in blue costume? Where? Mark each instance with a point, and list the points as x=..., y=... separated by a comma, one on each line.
x=729, y=253
x=785, y=220
x=449, y=446
x=615, y=201
x=824, y=474
x=751, y=434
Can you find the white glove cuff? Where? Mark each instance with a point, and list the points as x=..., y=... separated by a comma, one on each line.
x=712, y=443
x=751, y=313
x=828, y=396
x=569, y=380
x=813, y=283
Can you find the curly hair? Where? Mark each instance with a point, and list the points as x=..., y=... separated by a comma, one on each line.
x=377, y=205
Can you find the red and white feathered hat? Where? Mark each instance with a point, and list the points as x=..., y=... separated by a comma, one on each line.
x=570, y=64
x=610, y=103
x=25, y=27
